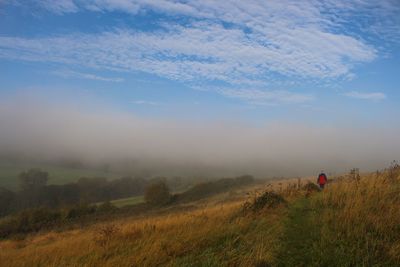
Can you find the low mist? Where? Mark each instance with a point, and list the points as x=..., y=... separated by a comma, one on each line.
x=38, y=130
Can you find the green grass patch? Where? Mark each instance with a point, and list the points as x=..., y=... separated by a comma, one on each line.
x=300, y=236
x=126, y=201
x=57, y=175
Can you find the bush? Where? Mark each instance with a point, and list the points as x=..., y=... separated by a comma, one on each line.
x=79, y=211
x=157, y=194
x=29, y=221
x=6, y=199
x=34, y=220
x=311, y=188
x=267, y=200
x=106, y=207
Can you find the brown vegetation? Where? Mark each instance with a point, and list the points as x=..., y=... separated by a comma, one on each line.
x=352, y=222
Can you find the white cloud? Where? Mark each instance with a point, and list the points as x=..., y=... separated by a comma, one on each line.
x=378, y=17
x=264, y=42
x=59, y=6
x=204, y=51
x=367, y=96
x=82, y=75
x=145, y=102
x=262, y=97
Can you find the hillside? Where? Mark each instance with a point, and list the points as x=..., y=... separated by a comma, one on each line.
x=353, y=222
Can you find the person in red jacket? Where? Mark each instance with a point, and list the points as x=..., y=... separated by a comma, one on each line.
x=322, y=180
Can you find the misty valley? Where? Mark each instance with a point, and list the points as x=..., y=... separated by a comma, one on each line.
x=187, y=133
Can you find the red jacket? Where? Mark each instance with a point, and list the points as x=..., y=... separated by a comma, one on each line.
x=322, y=179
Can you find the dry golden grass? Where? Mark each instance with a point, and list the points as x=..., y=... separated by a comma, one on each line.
x=211, y=235
x=356, y=221
x=360, y=219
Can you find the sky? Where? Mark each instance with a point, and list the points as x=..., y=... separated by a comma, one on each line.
x=319, y=65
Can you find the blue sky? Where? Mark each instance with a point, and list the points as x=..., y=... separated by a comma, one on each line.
x=316, y=62
x=263, y=87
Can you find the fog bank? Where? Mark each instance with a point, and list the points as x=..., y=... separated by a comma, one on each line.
x=49, y=132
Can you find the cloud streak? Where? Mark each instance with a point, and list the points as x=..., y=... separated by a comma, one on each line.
x=82, y=75
x=145, y=102
x=376, y=96
x=260, y=97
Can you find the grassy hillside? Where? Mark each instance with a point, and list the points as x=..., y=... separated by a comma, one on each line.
x=353, y=222
x=58, y=175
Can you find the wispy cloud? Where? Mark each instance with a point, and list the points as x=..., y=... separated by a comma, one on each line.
x=145, y=102
x=82, y=75
x=378, y=17
x=260, y=97
x=203, y=51
x=242, y=44
x=59, y=6
x=367, y=96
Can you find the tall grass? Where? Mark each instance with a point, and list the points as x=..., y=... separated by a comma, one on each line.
x=212, y=236
x=355, y=221
x=360, y=220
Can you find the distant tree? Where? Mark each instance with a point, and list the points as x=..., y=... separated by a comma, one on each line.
x=6, y=199
x=245, y=179
x=127, y=187
x=33, y=179
x=175, y=183
x=59, y=195
x=106, y=206
x=93, y=189
x=157, y=194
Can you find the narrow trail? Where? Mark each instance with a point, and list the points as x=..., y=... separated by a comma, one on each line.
x=299, y=237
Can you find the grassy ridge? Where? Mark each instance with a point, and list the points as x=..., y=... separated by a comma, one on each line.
x=353, y=222
x=205, y=237
x=359, y=222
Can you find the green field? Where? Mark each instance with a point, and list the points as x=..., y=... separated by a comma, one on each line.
x=126, y=201
x=57, y=175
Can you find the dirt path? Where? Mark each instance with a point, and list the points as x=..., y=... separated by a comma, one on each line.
x=300, y=236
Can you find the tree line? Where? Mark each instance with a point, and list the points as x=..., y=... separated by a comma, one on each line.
x=35, y=192
x=40, y=206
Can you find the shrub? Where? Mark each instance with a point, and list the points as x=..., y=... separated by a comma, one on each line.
x=29, y=221
x=34, y=220
x=310, y=188
x=393, y=171
x=106, y=207
x=267, y=200
x=79, y=211
x=6, y=199
x=157, y=194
